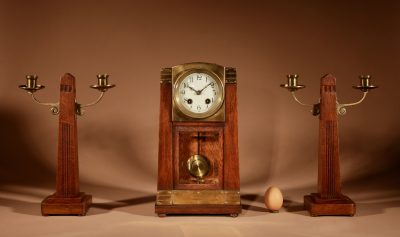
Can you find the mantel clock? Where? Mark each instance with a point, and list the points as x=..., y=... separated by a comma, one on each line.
x=198, y=166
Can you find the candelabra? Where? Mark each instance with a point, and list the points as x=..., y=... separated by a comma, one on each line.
x=329, y=200
x=67, y=200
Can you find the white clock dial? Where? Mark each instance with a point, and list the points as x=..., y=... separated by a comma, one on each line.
x=199, y=92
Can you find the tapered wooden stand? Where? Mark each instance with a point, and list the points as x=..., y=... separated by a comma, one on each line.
x=67, y=200
x=329, y=200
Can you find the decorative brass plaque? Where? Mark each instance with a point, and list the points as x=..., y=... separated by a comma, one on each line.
x=186, y=197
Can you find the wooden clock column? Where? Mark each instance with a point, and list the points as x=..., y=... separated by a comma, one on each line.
x=329, y=200
x=67, y=200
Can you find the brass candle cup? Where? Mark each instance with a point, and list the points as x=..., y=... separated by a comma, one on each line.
x=365, y=84
x=292, y=83
x=102, y=83
x=31, y=85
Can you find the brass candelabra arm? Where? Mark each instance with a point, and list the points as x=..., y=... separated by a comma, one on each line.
x=365, y=86
x=102, y=86
x=79, y=107
x=315, y=107
x=298, y=101
x=292, y=86
x=54, y=107
x=32, y=86
x=341, y=108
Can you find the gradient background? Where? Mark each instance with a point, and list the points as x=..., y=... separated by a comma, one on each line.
x=118, y=138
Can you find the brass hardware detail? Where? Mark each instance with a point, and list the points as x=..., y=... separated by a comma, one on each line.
x=316, y=109
x=230, y=75
x=31, y=87
x=292, y=83
x=198, y=166
x=205, y=197
x=179, y=113
x=166, y=75
x=365, y=84
x=102, y=83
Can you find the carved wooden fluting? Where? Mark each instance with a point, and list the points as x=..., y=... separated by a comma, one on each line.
x=329, y=200
x=67, y=200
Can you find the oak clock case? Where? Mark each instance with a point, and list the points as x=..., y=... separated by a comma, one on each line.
x=198, y=170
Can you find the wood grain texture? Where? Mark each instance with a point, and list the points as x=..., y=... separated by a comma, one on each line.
x=329, y=200
x=231, y=152
x=67, y=168
x=187, y=144
x=341, y=206
x=328, y=154
x=67, y=200
x=54, y=205
x=165, y=169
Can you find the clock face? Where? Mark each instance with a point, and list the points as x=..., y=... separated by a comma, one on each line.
x=199, y=94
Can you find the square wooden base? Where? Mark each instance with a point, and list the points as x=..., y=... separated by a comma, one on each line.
x=317, y=206
x=79, y=205
x=232, y=210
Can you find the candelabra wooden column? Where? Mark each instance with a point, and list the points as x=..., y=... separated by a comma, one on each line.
x=329, y=200
x=67, y=200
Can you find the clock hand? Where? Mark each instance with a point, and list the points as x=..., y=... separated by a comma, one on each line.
x=192, y=89
x=204, y=88
x=197, y=92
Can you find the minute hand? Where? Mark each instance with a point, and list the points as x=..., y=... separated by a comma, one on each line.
x=204, y=88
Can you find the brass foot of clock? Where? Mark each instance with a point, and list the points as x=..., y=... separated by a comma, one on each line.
x=198, y=164
x=198, y=202
x=339, y=206
x=79, y=205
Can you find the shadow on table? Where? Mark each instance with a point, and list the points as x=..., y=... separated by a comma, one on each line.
x=248, y=201
x=22, y=207
x=136, y=204
x=129, y=201
x=375, y=199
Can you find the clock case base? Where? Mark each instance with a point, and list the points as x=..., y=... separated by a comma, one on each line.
x=53, y=205
x=317, y=206
x=232, y=210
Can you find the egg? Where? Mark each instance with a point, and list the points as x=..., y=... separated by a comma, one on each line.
x=273, y=199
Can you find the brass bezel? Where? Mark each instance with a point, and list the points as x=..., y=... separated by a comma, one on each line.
x=218, y=102
x=180, y=113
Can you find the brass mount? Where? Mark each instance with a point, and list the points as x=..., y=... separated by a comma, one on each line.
x=364, y=86
x=198, y=166
x=31, y=87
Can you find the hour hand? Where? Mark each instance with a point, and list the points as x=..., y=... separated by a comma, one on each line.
x=192, y=89
x=197, y=92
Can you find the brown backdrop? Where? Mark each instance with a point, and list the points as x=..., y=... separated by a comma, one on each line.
x=264, y=40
